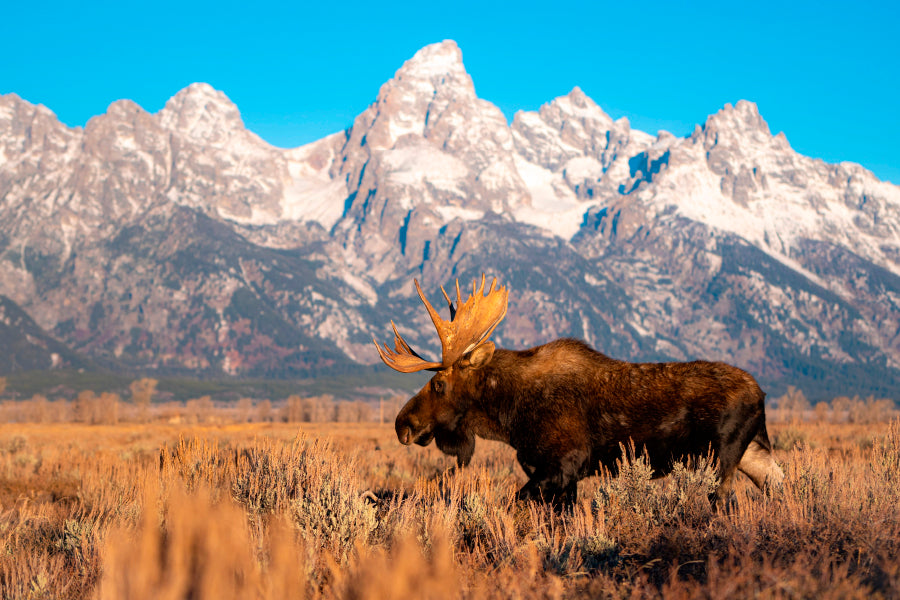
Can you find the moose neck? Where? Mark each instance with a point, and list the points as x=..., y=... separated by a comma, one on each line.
x=490, y=410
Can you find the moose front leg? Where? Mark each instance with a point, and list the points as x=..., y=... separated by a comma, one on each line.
x=552, y=480
x=549, y=489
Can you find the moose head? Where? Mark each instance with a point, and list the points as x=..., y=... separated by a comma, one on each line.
x=435, y=412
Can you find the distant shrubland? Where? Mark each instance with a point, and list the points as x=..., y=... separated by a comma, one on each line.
x=142, y=404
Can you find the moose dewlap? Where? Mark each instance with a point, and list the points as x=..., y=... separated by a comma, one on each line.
x=568, y=409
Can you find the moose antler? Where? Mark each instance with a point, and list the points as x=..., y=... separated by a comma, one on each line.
x=471, y=324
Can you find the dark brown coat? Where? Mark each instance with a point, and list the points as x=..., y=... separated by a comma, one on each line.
x=567, y=410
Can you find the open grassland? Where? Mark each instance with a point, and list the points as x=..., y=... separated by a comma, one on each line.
x=278, y=510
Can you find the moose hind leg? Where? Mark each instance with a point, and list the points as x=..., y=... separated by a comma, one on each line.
x=740, y=425
x=723, y=497
x=728, y=456
x=759, y=465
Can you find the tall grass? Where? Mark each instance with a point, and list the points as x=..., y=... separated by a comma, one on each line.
x=343, y=511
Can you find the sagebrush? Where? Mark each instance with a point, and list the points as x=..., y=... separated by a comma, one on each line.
x=344, y=511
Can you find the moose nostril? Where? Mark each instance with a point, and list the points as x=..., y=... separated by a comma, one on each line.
x=405, y=436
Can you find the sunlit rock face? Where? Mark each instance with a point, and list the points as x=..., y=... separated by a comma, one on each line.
x=182, y=241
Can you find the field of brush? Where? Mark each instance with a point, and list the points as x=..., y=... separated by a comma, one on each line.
x=266, y=510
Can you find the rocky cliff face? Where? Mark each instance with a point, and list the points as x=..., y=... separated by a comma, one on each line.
x=182, y=241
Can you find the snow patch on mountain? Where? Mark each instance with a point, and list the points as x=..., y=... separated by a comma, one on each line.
x=754, y=185
x=554, y=207
x=313, y=198
x=423, y=163
x=448, y=213
x=313, y=194
x=583, y=168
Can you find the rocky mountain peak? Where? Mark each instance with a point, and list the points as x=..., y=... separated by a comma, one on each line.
x=735, y=138
x=201, y=112
x=739, y=121
x=25, y=127
x=124, y=109
x=434, y=61
x=430, y=85
x=11, y=103
x=578, y=96
x=428, y=127
x=575, y=127
x=577, y=105
x=125, y=128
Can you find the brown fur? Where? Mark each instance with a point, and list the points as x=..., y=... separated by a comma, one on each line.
x=568, y=410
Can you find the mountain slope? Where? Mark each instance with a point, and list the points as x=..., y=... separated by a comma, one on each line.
x=27, y=346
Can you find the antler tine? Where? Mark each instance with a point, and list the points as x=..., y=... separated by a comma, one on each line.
x=495, y=319
x=400, y=344
x=435, y=317
x=449, y=303
x=404, y=363
x=403, y=358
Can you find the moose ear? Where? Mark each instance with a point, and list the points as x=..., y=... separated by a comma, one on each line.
x=479, y=357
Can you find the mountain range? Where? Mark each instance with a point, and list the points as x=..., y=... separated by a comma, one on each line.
x=180, y=242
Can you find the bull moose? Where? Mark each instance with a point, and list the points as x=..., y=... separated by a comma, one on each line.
x=568, y=410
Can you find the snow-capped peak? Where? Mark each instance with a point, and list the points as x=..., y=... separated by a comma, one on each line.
x=199, y=93
x=202, y=112
x=434, y=60
x=742, y=118
x=415, y=98
x=123, y=109
x=577, y=105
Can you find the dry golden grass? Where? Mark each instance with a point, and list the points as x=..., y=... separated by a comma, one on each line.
x=269, y=510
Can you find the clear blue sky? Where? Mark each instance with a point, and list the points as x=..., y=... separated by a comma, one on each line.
x=825, y=73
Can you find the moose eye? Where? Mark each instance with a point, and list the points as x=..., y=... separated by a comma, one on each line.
x=437, y=386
